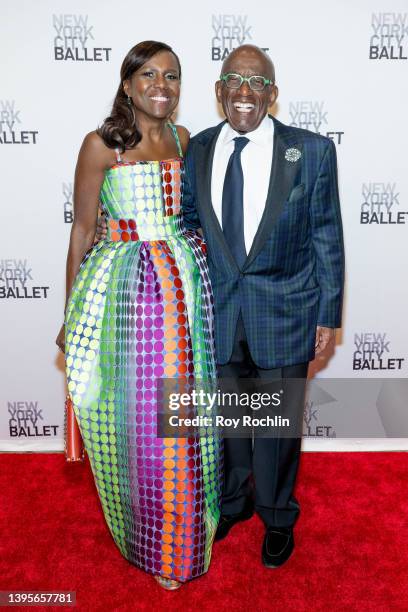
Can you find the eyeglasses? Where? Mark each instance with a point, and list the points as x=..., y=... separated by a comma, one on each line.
x=255, y=82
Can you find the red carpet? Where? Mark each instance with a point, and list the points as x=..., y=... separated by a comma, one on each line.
x=351, y=542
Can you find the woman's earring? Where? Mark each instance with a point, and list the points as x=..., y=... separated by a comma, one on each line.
x=129, y=100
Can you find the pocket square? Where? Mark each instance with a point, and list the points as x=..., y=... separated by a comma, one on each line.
x=297, y=193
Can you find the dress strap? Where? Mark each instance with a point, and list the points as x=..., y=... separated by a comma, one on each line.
x=176, y=138
x=118, y=157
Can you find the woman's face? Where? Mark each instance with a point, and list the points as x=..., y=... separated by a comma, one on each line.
x=155, y=87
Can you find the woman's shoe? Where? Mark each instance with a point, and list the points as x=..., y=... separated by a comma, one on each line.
x=167, y=583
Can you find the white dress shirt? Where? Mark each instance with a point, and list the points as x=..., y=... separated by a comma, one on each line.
x=256, y=160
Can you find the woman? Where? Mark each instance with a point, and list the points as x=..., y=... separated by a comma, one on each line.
x=139, y=310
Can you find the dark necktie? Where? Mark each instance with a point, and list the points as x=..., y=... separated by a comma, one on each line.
x=233, y=204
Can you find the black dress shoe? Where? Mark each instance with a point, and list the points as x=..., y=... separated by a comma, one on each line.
x=228, y=520
x=277, y=546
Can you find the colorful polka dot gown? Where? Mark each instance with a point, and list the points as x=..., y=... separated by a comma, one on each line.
x=141, y=310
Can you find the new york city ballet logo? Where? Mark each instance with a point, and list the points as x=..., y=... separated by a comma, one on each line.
x=389, y=36
x=67, y=191
x=373, y=352
x=73, y=40
x=312, y=115
x=11, y=130
x=312, y=426
x=17, y=282
x=381, y=205
x=26, y=420
x=228, y=33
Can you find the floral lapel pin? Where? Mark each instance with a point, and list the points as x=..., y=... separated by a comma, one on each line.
x=292, y=154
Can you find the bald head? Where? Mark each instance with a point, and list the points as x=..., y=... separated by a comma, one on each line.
x=243, y=106
x=248, y=55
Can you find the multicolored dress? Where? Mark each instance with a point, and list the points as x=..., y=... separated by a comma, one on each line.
x=141, y=310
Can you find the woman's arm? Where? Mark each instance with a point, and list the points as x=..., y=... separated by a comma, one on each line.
x=93, y=159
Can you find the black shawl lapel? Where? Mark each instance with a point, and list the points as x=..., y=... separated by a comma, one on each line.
x=204, y=162
x=282, y=178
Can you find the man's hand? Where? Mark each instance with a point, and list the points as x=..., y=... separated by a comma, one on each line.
x=324, y=335
x=101, y=228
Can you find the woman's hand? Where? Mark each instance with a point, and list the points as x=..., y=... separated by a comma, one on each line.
x=60, y=341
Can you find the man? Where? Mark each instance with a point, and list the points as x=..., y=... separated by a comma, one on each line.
x=266, y=198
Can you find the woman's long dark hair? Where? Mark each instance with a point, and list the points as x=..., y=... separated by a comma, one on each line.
x=120, y=130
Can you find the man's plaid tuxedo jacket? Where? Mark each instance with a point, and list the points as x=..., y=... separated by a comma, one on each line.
x=292, y=279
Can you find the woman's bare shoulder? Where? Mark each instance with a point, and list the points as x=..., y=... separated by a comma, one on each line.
x=184, y=136
x=94, y=147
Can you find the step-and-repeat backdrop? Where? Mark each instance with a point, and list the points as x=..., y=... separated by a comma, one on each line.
x=341, y=68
